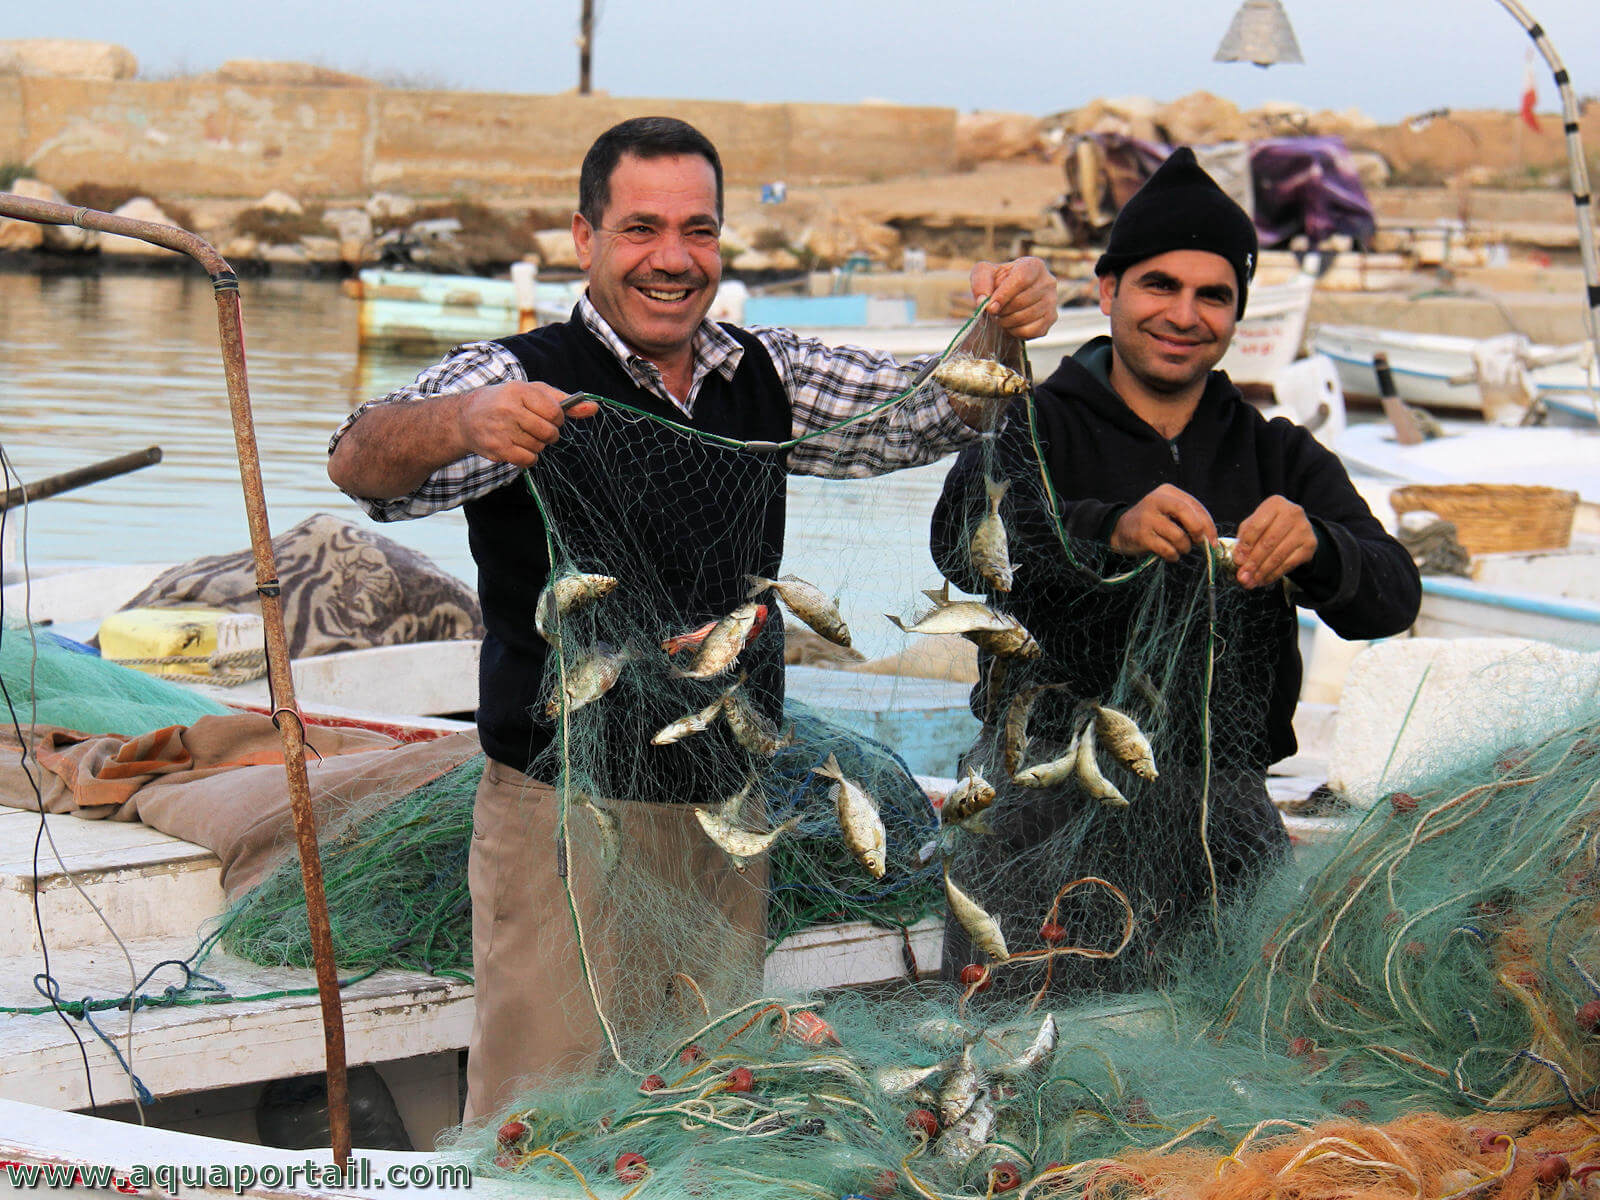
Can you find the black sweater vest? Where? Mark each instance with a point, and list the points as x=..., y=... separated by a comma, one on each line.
x=679, y=521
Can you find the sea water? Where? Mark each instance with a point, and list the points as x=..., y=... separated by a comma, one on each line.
x=93, y=366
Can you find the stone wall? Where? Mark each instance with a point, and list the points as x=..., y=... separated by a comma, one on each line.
x=210, y=139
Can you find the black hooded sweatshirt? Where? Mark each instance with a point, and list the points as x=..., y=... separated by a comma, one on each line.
x=1102, y=459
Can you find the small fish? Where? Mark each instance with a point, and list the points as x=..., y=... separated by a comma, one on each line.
x=1226, y=553
x=956, y=616
x=807, y=602
x=965, y=805
x=723, y=645
x=981, y=377
x=1012, y=642
x=963, y=1141
x=1048, y=774
x=687, y=641
x=858, y=819
x=751, y=728
x=695, y=722
x=942, y=1031
x=1096, y=784
x=960, y=1089
x=897, y=1081
x=561, y=596
x=1014, y=746
x=740, y=844
x=983, y=929
x=1119, y=734
x=1038, y=1051
x=991, y=557
x=608, y=829
x=590, y=678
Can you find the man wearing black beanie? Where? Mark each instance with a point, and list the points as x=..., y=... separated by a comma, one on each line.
x=1148, y=451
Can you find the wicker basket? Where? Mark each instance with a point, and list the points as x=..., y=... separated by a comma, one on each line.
x=1492, y=518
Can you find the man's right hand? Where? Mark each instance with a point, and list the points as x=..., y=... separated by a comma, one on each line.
x=1168, y=522
x=515, y=422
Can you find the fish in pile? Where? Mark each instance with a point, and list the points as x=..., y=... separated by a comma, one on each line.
x=997, y=632
x=1089, y=776
x=751, y=728
x=1038, y=1053
x=979, y=389
x=564, y=595
x=722, y=646
x=960, y=1089
x=1048, y=774
x=991, y=556
x=859, y=819
x=739, y=844
x=695, y=722
x=807, y=602
x=1014, y=742
x=966, y=804
x=590, y=678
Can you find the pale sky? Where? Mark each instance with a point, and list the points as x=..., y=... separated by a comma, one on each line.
x=1389, y=58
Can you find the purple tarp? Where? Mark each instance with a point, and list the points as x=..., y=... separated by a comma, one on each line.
x=1308, y=185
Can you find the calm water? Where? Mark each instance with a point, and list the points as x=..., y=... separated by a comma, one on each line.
x=92, y=367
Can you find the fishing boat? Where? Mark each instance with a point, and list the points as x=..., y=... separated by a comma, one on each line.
x=1449, y=374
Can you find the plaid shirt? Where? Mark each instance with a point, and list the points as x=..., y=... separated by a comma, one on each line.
x=826, y=385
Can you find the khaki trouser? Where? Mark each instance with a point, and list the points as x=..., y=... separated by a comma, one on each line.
x=673, y=904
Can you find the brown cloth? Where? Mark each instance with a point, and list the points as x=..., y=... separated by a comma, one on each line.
x=535, y=1015
x=220, y=782
x=344, y=588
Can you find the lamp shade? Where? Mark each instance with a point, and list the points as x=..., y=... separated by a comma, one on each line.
x=1260, y=33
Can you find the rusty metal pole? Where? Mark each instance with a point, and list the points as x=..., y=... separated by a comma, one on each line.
x=286, y=714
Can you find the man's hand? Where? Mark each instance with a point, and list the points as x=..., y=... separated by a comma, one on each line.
x=1273, y=540
x=1022, y=295
x=514, y=422
x=1168, y=522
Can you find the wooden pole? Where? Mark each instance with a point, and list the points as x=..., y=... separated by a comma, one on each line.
x=585, y=46
x=286, y=714
x=54, y=485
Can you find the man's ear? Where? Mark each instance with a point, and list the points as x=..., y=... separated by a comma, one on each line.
x=1108, y=289
x=583, y=240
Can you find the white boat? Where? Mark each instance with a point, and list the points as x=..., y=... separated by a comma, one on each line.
x=1462, y=374
x=409, y=308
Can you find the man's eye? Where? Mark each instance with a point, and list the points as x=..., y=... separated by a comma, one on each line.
x=702, y=237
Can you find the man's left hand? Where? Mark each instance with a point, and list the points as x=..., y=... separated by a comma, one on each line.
x=1273, y=540
x=1022, y=295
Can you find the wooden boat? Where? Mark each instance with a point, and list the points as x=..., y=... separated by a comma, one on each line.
x=1447, y=373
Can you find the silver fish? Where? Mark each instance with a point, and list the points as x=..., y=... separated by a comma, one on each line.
x=897, y=1081
x=942, y=1031
x=1014, y=747
x=740, y=844
x=1226, y=553
x=858, y=819
x=981, y=377
x=1038, y=1051
x=608, y=829
x=751, y=728
x=960, y=1089
x=956, y=616
x=807, y=602
x=590, y=678
x=1048, y=774
x=695, y=722
x=1119, y=734
x=983, y=929
x=1096, y=784
x=965, y=805
x=963, y=1141
x=561, y=596
x=991, y=557
x=723, y=644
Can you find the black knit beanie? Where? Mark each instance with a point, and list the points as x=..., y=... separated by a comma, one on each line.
x=1180, y=207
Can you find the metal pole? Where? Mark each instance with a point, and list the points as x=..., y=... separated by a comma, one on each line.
x=225, y=286
x=585, y=45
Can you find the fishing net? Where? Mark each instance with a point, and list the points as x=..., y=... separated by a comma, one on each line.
x=1156, y=999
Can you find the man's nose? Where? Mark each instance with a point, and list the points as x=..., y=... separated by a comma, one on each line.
x=671, y=253
x=1183, y=311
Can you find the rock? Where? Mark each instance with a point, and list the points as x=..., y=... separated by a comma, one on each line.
x=555, y=250
x=997, y=136
x=349, y=224
x=881, y=243
x=293, y=74
x=140, y=208
x=1371, y=168
x=64, y=58
x=66, y=239
x=320, y=249
x=280, y=202
x=240, y=246
x=1200, y=119
x=734, y=242
x=285, y=255
x=766, y=260
x=388, y=207
x=20, y=236
x=1131, y=116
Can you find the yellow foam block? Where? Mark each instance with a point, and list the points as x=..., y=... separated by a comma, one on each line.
x=189, y=635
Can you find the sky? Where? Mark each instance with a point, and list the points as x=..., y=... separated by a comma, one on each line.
x=1388, y=58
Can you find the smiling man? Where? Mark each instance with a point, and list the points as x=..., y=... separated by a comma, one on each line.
x=1150, y=451
x=647, y=232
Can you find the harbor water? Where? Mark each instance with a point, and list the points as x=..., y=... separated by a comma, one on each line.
x=92, y=366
